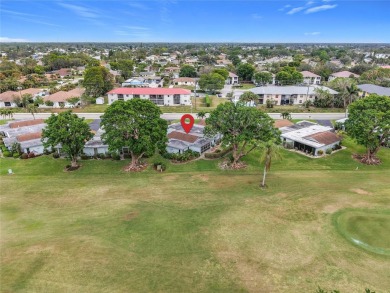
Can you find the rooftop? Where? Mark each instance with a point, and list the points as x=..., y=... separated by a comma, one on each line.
x=375, y=89
x=289, y=90
x=150, y=91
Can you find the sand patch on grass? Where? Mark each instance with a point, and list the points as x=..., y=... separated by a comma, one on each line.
x=361, y=191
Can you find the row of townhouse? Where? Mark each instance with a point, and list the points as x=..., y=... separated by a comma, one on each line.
x=159, y=96
x=58, y=100
x=308, y=137
x=179, y=141
x=287, y=95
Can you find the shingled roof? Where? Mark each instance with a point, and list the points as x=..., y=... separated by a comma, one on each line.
x=325, y=137
x=182, y=136
x=26, y=123
x=29, y=136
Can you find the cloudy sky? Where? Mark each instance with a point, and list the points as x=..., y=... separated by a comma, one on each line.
x=195, y=21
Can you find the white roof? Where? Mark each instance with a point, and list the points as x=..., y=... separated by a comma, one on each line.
x=289, y=90
x=298, y=135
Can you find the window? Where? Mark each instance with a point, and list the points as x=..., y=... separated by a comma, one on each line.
x=157, y=99
x=136, y=96
x=7, y=104
x=301, y=96
x=120, y=97
x=176, y=99
x=300, y=101
x=204, y=147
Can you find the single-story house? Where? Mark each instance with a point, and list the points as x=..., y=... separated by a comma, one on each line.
x=368, y=89
x=95, y=146
x=60, y=99
x=185, y=81
x=159, y=96
x=175, y=146
x=342, y=74
x=7, y=98
x=309, y=137
x=27, y=133
x=285, y=95
x=311, y=78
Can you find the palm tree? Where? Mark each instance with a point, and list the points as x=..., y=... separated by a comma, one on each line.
x=248, y=97
x=352, y=94
x=201, y=114
x=271, y=151
x=286, y=115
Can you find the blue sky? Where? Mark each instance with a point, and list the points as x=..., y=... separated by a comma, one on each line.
x=344, y=21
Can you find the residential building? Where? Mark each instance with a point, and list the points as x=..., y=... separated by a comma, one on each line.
x=342, y=74
x=7, y=98
x=309, y=137
x=311, y=78
x=368, y=89
x=95, y=146
x=232, y=79
x=61, y=99
x=286, y=95
x=159, y=96
x=189, y=81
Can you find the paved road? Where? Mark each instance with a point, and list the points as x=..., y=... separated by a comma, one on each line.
x=175, y=116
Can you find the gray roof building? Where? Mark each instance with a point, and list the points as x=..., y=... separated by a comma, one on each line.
x=374, y=89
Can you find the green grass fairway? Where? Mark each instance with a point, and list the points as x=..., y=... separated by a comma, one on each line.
x=367, y=229
x=194, y=228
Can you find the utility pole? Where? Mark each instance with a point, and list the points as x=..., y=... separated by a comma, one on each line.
x=196, y=83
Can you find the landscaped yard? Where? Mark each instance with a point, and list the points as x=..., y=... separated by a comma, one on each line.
x=194, y=228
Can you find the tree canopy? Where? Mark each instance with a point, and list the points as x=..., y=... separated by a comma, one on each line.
x=369, y=124
x=289, y=75
x=242, y=127
x=222, y=71
x=245, y=71
x=211, y=82
x=262, y=77
x=97, y=81
x=187, y=71
x=68, y=130
x=134, y=124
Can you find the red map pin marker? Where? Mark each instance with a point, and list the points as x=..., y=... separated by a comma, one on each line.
x=187, y=126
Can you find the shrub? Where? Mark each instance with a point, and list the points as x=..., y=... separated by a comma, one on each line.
x=329, y=151
x=84, y=157
x=218, y=153
x=31, y=155
x=7, y=154
x=16, y=155
x=320, y=152
x=186, y=156
x=24, y=156
x=115, y=156
x=160, y=163
x=207, y=101
x=56, y=155
x=102, y=156
x=49, y=103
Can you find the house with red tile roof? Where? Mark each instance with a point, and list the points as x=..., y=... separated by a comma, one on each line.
x=61, y=99
x=159, y=96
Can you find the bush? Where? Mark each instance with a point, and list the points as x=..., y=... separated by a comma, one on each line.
x=31, y=155
x=320, y=152
x=207, y=101
x=84, y=157
x=328, y=151
x=184, y=157
x=115, y=156
x=56, y=155
x=102, y=156
x=218, y=153
x=24, y=156
x=160, y=163
x=16, y=155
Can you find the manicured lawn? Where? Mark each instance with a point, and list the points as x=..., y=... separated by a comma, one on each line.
x=194, y=228
x=245, y=86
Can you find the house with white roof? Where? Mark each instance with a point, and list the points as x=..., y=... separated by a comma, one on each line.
x=309, y=137
x=311, y=78
x=287, y=95
x=159, y=96
x=342, y=74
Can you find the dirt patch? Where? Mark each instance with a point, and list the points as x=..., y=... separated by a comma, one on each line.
x=131, y=216
x=138, y=168
x=364, y=160
x=69, y=168
x=361, y=191
x=226, y=165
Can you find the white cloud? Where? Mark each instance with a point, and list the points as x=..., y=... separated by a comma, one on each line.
x=312, y=34
x=80, y=11
x=320, y=8
x=295, y=10
x=138, y=5
x=284, y=7
x=10, y=40
x=256, y=16
x=140, y=28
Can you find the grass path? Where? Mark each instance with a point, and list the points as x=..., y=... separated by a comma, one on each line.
x=192, y=228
